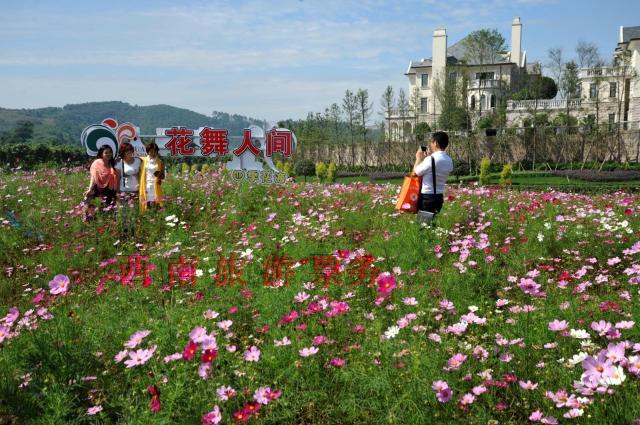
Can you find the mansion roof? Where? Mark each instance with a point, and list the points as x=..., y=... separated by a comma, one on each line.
x=456, y=55
x=630, y=33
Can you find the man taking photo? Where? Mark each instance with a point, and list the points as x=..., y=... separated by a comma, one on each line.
x=437, y=165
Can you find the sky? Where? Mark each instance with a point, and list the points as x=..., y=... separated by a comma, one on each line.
x=264, y=59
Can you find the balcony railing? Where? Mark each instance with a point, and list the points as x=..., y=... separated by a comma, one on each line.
x=488, y=84
x=603, y=72
x=525, y=105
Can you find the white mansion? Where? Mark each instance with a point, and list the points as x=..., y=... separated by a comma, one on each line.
x=607, y=94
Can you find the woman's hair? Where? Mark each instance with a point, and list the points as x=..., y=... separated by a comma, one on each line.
x=152, y=145
x=124, y=148
x=112, y=162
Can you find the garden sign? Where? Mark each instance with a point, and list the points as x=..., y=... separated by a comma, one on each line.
x=250, y=152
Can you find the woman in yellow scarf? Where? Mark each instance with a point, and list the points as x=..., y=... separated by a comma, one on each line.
x=151, y=176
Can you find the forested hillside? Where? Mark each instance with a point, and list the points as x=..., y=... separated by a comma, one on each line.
x=64, y=125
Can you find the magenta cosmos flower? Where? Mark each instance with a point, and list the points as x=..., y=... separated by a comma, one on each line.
x=59, y=284
x=212, y=418
x=385, y=283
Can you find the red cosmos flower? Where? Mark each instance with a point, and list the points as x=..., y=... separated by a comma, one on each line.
x=510, y=378
x=501, y=405
x=451, y=198
x=209, y=355
x=154, y=404
x=252, y=407
x=240, y=416
x=247, y=411
x=190, y=350
x=505, y=249
x=628, y=211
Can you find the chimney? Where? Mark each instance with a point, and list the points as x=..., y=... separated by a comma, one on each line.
x=438, y=58
x=439, y=52
x=621, y=34
x=516, y=42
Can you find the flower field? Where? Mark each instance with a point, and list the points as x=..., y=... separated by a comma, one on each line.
x=317, y=304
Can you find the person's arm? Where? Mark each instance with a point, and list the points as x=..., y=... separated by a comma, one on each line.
x=420, y=167
x=91, y=180
x=90, y=187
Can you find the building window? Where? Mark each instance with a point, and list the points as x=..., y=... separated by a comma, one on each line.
x=493, y=100
x=483, y=102
x=593, y=91
x=473, y=102
x=425, y=80
x=613, y=89
x=424, y=105
x=612, y=121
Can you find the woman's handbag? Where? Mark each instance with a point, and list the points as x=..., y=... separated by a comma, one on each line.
x=409, y=194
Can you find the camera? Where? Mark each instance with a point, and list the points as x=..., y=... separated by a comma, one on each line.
x=424, y=148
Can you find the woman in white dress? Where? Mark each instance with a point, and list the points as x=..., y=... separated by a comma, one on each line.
x=129, y=168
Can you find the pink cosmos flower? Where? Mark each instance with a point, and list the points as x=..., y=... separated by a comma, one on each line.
x=225, y=325
x=455, y=362
x=198, y=334
x=121, y=356
x=139, y=357
x=136, y=338
x=467, y=398
x=310, y=351
x=597, y=368
x=94, y=410
x=39, y=297
x=212, y=418
x=478, y=390
x=558, y=325
x=252, y=354
x=203, y=370
x=208, y=343
x=536, y=416
x=261, y=395
x=281, y=343
x=59, y=284
x=443, y=392
x=601, y=327
x=528, y=385
x=225, y=393
x=337, y=362
x=172, y=357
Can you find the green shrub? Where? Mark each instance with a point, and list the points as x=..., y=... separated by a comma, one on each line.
x=505, y=175
x=205, y=168
x=331, y=172
x=485, y=175
x=194, y=168
x=305, y=168
x=321, y=171
x=184, y=169
x=287, y=169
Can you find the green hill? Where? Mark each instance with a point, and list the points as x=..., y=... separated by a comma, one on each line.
x=64, y=125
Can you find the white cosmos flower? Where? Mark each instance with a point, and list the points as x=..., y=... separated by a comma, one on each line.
x=392, y=332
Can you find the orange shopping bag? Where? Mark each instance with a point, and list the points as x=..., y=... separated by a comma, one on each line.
x=410, y=194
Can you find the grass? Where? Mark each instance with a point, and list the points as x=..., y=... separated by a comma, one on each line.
x=53, y=370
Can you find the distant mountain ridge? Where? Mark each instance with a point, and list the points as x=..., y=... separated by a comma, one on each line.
x=64, y=125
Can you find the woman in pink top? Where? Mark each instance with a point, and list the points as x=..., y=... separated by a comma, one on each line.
x=104, y=181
